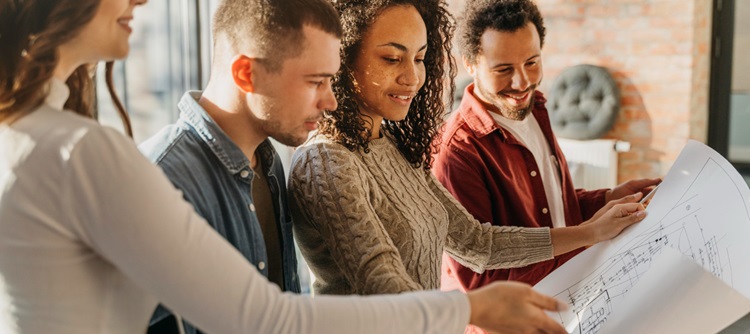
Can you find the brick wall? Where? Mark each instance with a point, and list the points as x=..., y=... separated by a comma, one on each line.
x=657, y=51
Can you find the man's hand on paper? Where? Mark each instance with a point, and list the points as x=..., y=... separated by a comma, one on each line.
x=647, y=198
x=513, y=307
x=642, y=186
x=632, y=198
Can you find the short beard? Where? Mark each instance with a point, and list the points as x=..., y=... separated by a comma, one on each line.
x=507, y=112
x=515, y=114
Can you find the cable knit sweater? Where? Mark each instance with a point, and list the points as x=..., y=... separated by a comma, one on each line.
x=370, y=223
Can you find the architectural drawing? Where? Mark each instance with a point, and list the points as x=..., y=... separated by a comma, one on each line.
x=700, y=210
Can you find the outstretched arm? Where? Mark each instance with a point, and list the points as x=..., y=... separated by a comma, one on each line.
x=482, y=246
x=131, y=216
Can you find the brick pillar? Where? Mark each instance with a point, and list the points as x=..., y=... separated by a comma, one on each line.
x=658, y=51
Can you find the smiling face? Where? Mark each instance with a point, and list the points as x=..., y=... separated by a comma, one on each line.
x=389, y=68
x=508, y=70
x=105, y=37
x=288, y=104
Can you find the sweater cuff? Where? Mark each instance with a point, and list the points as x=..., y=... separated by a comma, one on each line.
x=539, y=242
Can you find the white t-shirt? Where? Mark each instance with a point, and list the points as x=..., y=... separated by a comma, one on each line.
x=92, y=235
x=530, y=135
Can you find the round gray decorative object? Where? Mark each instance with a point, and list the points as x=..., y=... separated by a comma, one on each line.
x=583, y=102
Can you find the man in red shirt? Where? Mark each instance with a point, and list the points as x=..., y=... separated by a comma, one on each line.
x=498, y=154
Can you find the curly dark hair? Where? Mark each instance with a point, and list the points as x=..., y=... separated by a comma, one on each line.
x=415, y=135
x=500, y=15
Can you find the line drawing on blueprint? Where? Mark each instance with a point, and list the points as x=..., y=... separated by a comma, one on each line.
x=681, y=227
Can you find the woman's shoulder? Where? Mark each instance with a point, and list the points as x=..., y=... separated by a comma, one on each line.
x=318, y=141
x=45, y=118
x=62, y=132
x=322, y=148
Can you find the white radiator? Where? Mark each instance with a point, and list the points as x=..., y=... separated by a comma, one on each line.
x=593, y=163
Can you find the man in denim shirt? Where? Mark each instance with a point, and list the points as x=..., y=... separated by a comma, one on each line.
x=271, y=77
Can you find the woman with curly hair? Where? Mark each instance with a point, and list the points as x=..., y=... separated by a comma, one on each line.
x=369, y=216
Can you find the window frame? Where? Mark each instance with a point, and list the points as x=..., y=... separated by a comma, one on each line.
x=722, y=47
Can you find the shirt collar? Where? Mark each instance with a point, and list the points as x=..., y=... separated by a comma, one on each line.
x=57, y=94
x=230, y=155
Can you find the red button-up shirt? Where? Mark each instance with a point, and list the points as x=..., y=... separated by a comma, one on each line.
x=497, y=179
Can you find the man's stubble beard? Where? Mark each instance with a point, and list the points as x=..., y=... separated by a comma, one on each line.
x=506, y=111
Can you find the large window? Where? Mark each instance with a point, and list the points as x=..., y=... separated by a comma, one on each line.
x=165, y=60
x=730, y=83
x=739, y=107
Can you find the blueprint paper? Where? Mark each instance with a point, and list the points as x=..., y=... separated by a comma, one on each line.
x=689, y=299
x=700, y=210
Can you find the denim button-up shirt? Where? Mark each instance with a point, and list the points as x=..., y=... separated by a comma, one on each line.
x=215, y=176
